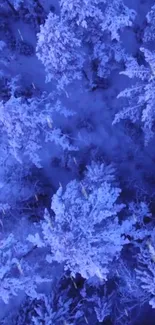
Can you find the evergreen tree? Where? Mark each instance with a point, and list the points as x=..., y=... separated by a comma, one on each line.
x=60, y=51
x=140, y=97
x=86, y=234
x=27, y=124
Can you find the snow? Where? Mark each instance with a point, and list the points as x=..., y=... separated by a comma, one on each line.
x=91, y=129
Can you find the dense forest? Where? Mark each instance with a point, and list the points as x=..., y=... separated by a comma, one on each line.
x=77, y=162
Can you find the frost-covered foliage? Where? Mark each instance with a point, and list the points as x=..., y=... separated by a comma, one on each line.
x=95, y=299
x=102, y=307
x=97, y=237
x=116, y=17
x=46, y=309
x=15, y=273
x=46, y=312
x=149, y=33
x=146, y=269
x=81, y=13
x=98, y=24
x=4, y=59
x=29, y=11
x=129, y=298
x=68, y=304
x=62, y=40
x=86, y=234
x=108, y=55
x=99, y=172
x=27, y=124
x=59, y=50
x=139, y=230
x=107, y=16
x=16, y=187
x=140, y=97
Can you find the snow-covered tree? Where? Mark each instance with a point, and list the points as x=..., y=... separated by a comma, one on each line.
x=80, y=13
x=62, y=41
x=18, y=185
x=30, y=11
x=97, y=21
x=95, y=299
x=149, y=33
x=60, y=51
x=146, y=270
x=110, y=16
x=108, y=56
x=129, y=298
x=27, y=124
x=99, y=24
x=86, y=234
x=6, y=56
x=68, y=304
x=46, y=312
x=140, y=97
x=48, y=308
x=116, y=17
x=3, y=59
x=16, y=274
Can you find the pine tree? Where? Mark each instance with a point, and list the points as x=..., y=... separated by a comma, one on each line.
x=149, y=33
x=16, y=274
x=85, y=234
x=27, y=124
x=146, y=269
x=109, y=17
x=60, y=51
x=140, y=97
